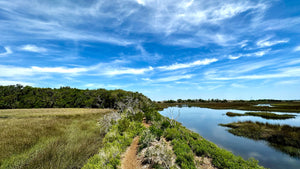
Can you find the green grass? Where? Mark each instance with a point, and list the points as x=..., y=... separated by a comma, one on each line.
x=49, y=138
x=231, y=114
x=265, y=115
x=282, y=137
x=186, y=143
x=115, y=143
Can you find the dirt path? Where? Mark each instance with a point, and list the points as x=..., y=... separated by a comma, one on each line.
x=130, y=160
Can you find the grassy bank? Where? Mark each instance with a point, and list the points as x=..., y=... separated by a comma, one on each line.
x=282, y=137
x=49, y=138
x=283, y=106
x=265, y=115
x=184, y=145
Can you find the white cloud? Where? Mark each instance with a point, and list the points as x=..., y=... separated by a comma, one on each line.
x=283, y=73
x=297, y=48
x=9, y=82
x=266, y=43
x=7, y=51
x=14, y=71
x=62, y=70
x=288, y=82
x=236, y=85
x=141, y=2
x=121, y=71
x=234, y=57
x=173, y=78
x=33, y=48
x=188, y=65
x=258, y=53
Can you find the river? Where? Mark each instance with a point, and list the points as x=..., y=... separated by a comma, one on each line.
x=205, y=122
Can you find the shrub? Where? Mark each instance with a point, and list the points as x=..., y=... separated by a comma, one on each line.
x=156, y=131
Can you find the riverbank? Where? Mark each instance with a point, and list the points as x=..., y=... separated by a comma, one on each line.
x=282, y=106
x=178, y=146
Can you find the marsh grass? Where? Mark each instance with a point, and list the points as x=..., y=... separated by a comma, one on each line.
x=282, y=137
x=265, y=115
x=49, y=138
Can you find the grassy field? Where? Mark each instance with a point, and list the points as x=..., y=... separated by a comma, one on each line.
x=284, y=106
x=265, y=115
x=49, y=138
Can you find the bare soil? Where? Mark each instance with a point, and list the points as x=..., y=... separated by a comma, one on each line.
x=130, y=160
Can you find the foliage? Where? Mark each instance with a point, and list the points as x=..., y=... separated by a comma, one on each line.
x=184, y=154
x=277, y=105
x=115, y=143
x=146, y=138
x=18, y=96
x=185, y=141
x=156, y=131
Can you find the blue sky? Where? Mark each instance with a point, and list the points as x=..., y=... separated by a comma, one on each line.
x=166, y=49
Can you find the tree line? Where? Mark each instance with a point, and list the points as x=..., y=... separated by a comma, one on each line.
x=18, y=96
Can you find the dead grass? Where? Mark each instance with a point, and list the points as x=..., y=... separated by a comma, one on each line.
x=48, y=138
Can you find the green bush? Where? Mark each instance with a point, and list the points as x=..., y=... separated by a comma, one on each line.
x=171, y=133
x=156, y=131
x=123, y=125
x=115, y=143
x=184, y=154
x=137, y=117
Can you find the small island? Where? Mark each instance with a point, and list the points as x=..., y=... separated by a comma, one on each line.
x=265, y=115
x=282, y=137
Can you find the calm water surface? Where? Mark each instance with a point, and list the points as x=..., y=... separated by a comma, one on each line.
x=205, y=122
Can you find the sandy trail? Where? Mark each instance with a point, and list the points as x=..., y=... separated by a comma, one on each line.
x=130, y=160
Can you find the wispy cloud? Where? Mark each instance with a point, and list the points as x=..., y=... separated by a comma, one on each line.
x=257, y=54
x=122, y=71
x=93, y=70
x=297, y=48
x=267, y=42
x=237, y=85
x=33, y=48
x=284, y=73
x=62, y=70
x=7, y=51
x=170, y=78
x=188, y=65
x=10, y=82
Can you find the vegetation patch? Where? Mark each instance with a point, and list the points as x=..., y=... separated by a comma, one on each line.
x=282, y=137
x=49, y=138
x=187, y=145
x=276, y=105
x=265, y=115
x=115, y=143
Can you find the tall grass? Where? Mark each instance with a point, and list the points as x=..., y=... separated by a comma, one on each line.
x=49, y=138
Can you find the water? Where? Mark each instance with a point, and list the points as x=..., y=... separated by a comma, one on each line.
x=264, y=105
x=205, y=122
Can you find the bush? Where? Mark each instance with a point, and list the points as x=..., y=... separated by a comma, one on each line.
x=184, y=154
x=137, y=117
x=115, y=143
x=171, y=133
x=156, y=131
x=123, y=125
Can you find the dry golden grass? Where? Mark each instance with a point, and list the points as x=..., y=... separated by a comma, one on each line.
x=49, y=138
